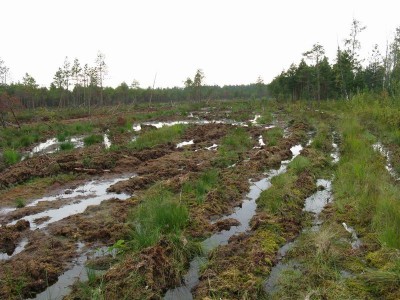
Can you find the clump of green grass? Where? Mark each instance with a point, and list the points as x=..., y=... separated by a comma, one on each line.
x=82, y=128
x=272, y=136
x=66, y=146
x=323, y=139
x=271, y=199
x=299, y=164
x=202, y=185
x=395, y=137
x=93, y=139
x=160, y=136
x=26, y=140
x=10, y=156
x=159, y=214
x=236, y=142
x=87, y=162
x=266, y=118
x=19, y=203
x=62, y=137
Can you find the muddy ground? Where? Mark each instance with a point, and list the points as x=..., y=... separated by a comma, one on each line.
x=50, y=251
x=152, y=271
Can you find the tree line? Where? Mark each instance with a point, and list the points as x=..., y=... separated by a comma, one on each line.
x=315, y=78
x=80, y=85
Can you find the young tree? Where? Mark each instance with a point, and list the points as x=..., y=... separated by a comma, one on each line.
x=353, y=46
x=58, y=79
x=76, y=74
x=85, y=79
x=353, y=43
x=315, y=55
x=8, y=103
x=135, y=84
x=3, y=72
x=260, y=86
x=101, y=69
x=374, y=72
x=30, y=88
x=197, y=83
x=63, y=76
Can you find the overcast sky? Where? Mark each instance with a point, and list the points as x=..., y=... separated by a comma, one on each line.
x=232, y=41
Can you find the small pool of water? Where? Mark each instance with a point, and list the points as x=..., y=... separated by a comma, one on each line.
x=183, y=144
x=62, y=287
x=91, y=193
x=317, y=201
x=20, y=247
x=386, y=153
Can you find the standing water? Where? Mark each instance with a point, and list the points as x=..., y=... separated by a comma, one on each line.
x=243, y=214
x=314, y=204
x=62, y=287
x=92, y=193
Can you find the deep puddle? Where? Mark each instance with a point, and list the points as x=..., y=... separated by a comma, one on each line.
x=92, y=193
x=243, y=214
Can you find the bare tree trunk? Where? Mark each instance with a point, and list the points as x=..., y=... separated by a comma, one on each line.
x=16, y=120
x=151, y=92
x=3, y=122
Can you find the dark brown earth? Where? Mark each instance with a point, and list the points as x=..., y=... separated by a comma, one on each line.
x=47, y=256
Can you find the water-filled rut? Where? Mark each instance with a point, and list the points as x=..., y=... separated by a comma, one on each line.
x=243, y=214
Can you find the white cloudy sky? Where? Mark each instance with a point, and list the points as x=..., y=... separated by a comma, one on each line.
x=232, y=41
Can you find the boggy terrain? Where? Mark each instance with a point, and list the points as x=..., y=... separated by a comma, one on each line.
x=217, y=190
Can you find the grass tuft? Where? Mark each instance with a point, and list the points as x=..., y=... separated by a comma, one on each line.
x=11, y=156
x=159, y=214
x=160, y=136
x=93, y=139
x=66, y=146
